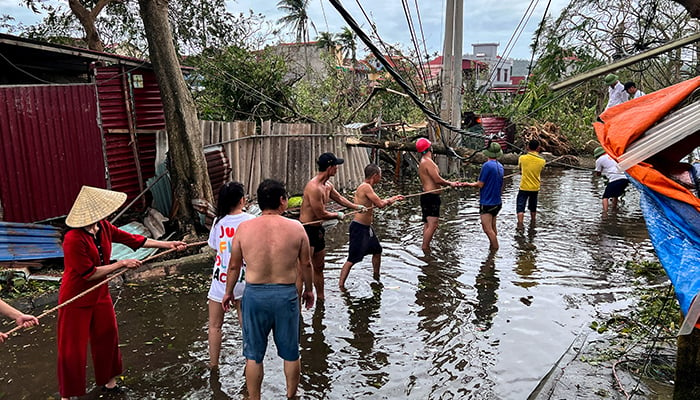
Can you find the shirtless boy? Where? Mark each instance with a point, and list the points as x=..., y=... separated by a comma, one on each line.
x=270, y=301
x=318, y=191
x=363, y=239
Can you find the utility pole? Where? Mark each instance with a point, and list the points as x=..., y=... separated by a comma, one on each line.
x=451, y=103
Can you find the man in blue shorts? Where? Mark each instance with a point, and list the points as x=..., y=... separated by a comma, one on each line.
x=363, y=239
x=270, y=301
x=490, y=185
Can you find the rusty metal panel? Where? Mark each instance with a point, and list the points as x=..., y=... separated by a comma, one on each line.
x=29, y=242
x=50, y=146
x=148, y=105
x=126, y=110
x=500, y=127
x=218, y=167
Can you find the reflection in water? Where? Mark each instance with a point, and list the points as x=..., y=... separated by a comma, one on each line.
x=363, y=312
x=445, y=327
x=486, y=285
x=215, y=384
x=314, y=354
x=525, y=264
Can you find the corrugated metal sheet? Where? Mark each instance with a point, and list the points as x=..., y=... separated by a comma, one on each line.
x=496, y=125
x=148, y=104
x=50, y=146
x=121, y=252
x=218, y=167
x=29, y=242
x=127, y=110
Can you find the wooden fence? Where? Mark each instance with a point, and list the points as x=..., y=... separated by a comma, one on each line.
x=285, y=152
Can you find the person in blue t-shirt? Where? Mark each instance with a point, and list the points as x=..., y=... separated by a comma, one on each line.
x=490, y=184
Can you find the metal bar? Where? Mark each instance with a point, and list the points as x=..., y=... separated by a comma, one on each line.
x=625, y=62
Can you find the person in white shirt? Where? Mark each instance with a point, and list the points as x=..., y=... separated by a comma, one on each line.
x=616, y=91
x=617, y=180
x=631, y=89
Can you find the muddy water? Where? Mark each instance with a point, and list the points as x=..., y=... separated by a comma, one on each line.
x=459, y=324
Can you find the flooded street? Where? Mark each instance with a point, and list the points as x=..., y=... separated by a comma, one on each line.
x=458, y=324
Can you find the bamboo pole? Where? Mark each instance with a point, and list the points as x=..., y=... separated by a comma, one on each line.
x=93, y=288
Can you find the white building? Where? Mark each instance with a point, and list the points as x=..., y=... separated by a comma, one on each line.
x=500, y=70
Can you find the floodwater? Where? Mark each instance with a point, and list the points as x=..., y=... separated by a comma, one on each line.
x=459, y=324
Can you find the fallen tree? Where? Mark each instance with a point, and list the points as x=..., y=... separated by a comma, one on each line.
x=468, y=155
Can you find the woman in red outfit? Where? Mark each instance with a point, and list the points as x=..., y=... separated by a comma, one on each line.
x=87, y=250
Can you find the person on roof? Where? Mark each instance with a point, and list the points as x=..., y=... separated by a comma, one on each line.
x=430, y=179
x=617, y=180
x=631, y=89
x=616, y=91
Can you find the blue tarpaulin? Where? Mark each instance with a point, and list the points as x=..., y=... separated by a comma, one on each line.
x=674, y=229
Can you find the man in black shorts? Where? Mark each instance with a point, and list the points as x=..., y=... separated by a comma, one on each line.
x=363, y=240
x=317, y=193
x=430, y=179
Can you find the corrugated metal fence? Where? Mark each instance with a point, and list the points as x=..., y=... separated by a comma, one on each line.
x=286, y=152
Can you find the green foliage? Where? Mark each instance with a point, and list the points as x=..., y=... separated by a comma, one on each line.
x=236, y=84
x=196, y=25
x=339, y=96
x=296, y=18
x=651, y=270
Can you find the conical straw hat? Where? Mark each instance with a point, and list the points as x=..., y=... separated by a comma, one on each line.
x=92, y=205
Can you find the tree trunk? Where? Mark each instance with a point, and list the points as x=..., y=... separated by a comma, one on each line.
x=687, y=383
x=187, y=165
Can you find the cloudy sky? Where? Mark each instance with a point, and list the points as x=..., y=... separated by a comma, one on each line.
x=484, y=20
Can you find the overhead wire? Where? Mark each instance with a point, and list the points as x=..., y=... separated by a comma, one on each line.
x=414, y=39
x=400, y=81
x=514, y=37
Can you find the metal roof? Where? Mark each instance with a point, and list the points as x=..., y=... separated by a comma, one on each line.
x=29, y=242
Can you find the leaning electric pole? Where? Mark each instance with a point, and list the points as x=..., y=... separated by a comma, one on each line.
x=451, y=103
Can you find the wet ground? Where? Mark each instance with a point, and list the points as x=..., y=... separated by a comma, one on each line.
x=461, y=323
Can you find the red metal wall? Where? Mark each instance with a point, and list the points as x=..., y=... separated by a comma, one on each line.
x=125, y=109
x=497, y=126
x=50, y=146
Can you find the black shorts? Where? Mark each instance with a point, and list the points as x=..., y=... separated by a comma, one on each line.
x=363, y=241
x=615, y=188
x=493, y=210
x=430, y=205
x=526, y=196
x=317, y=237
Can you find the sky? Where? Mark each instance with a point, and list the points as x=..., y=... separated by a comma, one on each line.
x=485, y=21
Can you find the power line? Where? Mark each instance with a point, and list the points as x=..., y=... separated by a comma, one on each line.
x=354, y=26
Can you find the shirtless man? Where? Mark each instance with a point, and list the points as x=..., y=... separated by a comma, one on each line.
x=270, y=300
x=363, y=240
x=317, y=193
x=430, y=178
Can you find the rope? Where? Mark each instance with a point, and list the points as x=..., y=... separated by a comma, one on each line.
x=372, y=207
x=106, y=280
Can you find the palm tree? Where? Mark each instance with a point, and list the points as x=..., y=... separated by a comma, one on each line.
x=297, y=17
x=326, y=41
x=348, y=42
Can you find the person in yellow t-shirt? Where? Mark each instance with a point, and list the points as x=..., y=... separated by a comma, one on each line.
x=530, y=165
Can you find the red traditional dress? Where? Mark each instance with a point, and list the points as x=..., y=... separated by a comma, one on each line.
x=91, y=317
